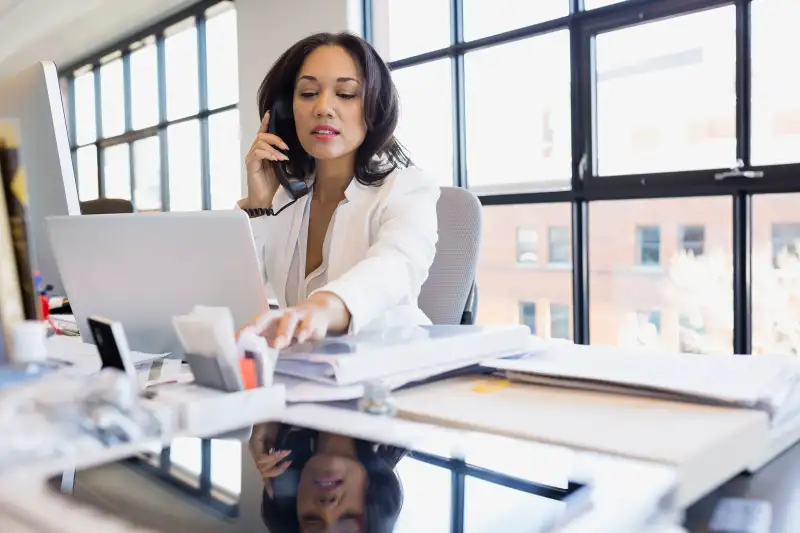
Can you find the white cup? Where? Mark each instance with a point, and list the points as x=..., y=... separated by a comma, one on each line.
x=28, y=342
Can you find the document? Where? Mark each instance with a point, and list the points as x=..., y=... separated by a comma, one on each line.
x=770, y=383
x=349, y=360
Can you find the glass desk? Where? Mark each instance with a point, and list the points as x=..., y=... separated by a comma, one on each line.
x=334, y=483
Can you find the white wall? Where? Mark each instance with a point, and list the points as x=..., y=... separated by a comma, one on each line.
x=266, y=28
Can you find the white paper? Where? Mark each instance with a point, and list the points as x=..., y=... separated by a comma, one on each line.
x=750, y=381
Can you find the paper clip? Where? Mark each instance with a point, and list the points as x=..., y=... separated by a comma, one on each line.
x=491, y=385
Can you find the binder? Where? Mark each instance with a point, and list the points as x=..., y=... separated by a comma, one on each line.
x=707, y=444
x=349, y=360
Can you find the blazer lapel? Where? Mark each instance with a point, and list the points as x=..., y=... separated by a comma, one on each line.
x=342, y=235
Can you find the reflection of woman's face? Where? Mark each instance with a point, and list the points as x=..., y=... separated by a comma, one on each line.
x=330, y=497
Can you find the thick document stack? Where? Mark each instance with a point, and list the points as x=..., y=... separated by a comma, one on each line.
x=375, y=355
x=767, y=383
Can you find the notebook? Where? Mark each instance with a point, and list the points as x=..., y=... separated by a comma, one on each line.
x=348, y=360
x=767, y=383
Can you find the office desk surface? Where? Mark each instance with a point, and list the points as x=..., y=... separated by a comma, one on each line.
x=778, y=482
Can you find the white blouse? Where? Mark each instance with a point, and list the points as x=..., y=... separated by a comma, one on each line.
x=297, y=290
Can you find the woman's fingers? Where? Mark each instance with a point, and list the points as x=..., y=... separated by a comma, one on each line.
x=270, y=139
x=286, y=329
x=262, y=128
x=311, y=326
x=271, y=154
x=269, y=460
x=273, y=140
x=277, y=471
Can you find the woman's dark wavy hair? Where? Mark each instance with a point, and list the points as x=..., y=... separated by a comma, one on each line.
x=384, y=495
x=380, y=99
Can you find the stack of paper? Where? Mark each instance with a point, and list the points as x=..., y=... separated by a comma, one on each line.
x=767, y=383
x=377, y=355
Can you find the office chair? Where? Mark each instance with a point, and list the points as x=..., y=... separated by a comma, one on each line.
x=449, y=295
x=106, y=206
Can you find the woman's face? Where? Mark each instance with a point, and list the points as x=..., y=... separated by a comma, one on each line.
x=330, y=497
x=328, y=106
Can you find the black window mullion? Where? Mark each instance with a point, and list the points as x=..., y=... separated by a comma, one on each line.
x=582, y=111
x=205, y=466
x=163, y=142
x=742, y=272
x=98, y=121
x=457, y=497
x=202, y=76
x=743, y=201
x=128, y=99
x=459, y=97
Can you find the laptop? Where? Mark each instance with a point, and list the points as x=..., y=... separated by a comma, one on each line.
x=143, y=269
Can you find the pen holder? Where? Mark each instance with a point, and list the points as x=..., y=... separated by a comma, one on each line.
x=214, y=373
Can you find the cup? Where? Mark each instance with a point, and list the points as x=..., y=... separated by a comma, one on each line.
x=28, y=342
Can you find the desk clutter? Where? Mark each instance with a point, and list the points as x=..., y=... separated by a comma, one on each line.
x=706, y=417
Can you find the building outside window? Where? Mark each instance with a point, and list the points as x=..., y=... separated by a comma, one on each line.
x=692, y=239
x=527, y=315
x=648, y=245
x=558, y=245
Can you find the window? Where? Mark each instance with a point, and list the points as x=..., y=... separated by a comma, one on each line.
x=527, y=315
x=775, y=107
x=692, y=239
x=785, y=240
x=426, y=123
x=560, y=321
x=648, y=245
x=527, y=245
x=776, y=274
x=634, y=306
x=502, y=284
x=542, y=136
x=558, y=245
x=483, y=18
x=126, y=146
x=608, y=127
x=394, y=18
x=684, y=91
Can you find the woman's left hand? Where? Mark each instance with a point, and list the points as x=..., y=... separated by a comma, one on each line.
x=314, y=318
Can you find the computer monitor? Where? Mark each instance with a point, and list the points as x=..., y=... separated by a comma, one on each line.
x=33, y=99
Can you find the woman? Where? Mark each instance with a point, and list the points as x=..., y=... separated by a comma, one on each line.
x=322, y=482
x=354, y=252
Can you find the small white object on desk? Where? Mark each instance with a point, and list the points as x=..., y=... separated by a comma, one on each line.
x=28, y=342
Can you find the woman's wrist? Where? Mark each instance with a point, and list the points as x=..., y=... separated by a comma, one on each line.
x=334, y=307
x=261, y=201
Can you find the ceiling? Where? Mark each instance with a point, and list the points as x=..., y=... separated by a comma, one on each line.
x=65, y=31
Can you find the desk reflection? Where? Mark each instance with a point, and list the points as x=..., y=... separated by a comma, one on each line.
x=317, y=482
x=279, y=478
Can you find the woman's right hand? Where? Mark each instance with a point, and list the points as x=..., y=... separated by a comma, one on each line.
x=261, y=180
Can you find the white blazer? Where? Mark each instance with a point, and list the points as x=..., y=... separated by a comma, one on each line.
x=383, y=244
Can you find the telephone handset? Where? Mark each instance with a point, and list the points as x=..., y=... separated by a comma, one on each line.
x=281, y=121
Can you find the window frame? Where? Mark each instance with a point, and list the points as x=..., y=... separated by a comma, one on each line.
x=586, y=186
x=125, y=47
